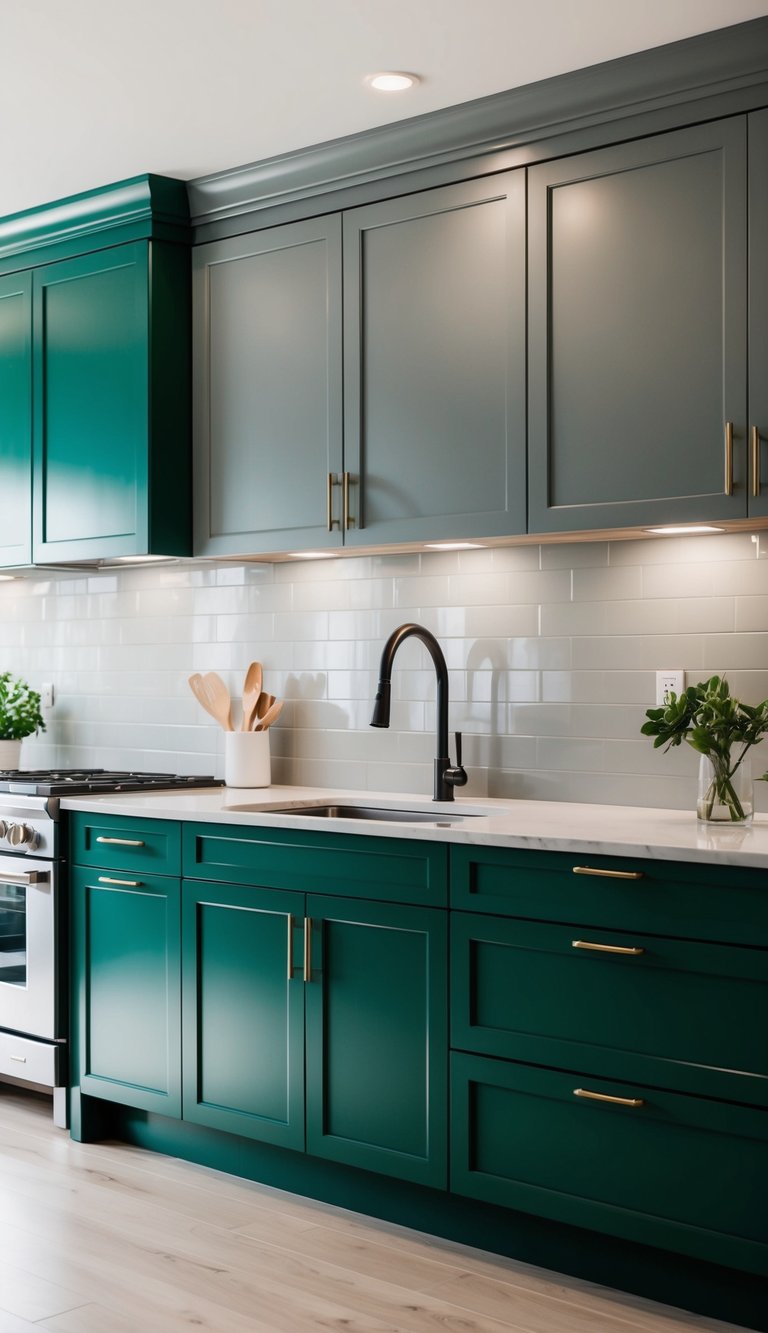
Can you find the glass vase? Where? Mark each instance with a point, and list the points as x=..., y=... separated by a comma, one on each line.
x=725, y=789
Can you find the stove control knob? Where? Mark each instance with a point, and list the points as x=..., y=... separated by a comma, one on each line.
x=21, y=835
x=3, y=828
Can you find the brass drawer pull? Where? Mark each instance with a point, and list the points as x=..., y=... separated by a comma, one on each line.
x=349, y=522
x=728, y=488
x=121, y=842
x=605, y=948
x=290, y=947
x=756, y=483
x=330, y=520
x=123, y=883
x=307, y=948
x=608, y=874
x=603, y=1097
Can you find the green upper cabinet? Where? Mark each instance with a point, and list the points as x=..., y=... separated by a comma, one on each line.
x=268, y=429
x=758, y=303
x=15, y=418
x=433, y=375
x=95, y=376
x=637, y=332
x=434, y=364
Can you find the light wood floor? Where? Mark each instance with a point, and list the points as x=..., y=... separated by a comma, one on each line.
x=104, y=1238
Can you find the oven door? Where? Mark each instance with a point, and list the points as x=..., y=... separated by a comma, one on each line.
x=28, y=920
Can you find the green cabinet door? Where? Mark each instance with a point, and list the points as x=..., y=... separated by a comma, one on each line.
x=127, y=982
x=376, y=1020
x=16, y=419
x=243, y=1006
x=111, y=439
x=758, y=305
x=434, y=363
x=267, y=351
x=637, y=332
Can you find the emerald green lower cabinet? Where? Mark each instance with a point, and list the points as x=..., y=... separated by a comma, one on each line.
x=243, y=1007
x=376, y=1037
x=677, y=1172
x=126, y=939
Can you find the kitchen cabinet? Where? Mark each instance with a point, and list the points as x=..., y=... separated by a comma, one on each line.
x=757, y=416
x=95, y=376
x=372, y=977
x=433, y=375
x=629, y=1088
x=637, y=332
x=16, y=418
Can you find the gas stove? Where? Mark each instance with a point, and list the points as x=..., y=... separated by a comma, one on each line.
x=77, y=781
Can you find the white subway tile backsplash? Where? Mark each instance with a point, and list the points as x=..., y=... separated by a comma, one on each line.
x=551, y=651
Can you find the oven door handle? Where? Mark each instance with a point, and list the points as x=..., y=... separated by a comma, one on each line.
x=27, y=877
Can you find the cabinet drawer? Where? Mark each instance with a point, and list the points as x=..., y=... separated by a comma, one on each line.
x=126, y=844
x=387, y=869
x=34, y=1061
x=707, y=902
x=677, y=1172
x=678, y=1013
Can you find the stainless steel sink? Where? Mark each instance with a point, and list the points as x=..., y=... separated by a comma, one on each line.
x=362, y=812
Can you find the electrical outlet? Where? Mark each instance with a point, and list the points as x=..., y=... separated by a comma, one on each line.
x=46, y=695
x=668, y=682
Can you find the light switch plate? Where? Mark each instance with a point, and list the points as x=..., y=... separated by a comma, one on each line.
x=668, y=682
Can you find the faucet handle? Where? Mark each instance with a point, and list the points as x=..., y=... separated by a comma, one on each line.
x=457, y=777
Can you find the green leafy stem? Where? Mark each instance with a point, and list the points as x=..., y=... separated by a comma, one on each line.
x=715, y=724
x=20, y=713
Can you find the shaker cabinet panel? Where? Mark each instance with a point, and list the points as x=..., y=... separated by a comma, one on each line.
x=15, y=419
x=434, y=375
x=267, y=340
x=638, y=289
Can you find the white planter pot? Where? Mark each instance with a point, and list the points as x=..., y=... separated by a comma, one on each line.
x=10, y=754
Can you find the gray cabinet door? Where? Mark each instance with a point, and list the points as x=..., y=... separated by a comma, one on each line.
x=267, y=374
x=637, y=291
x=434, y=363
x=758, y=312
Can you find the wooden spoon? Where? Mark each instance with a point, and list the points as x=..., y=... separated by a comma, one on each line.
x=251, y=694
x=266, y=701
x=212, y=693
x=271, y=715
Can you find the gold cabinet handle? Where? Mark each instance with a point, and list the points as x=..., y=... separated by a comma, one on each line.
x=290, y=947
x=121, y=842
x=349, y=522
x=603, y=1097
x=729, y=458
x=123, y=883
x=608, y=874
x=606, y=948
x=330, y=520
x=756, y=483
x=307, y=948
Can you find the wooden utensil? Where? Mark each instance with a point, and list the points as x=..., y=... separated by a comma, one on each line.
x=271, y=715
x=266, y=701
x=212, y=693
x=251, y=694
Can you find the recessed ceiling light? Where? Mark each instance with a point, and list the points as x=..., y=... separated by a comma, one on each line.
x=453, y=546
x=693, y=528
x=140, y=559
x=392, y=82
x=311, y=555
x=7, y=578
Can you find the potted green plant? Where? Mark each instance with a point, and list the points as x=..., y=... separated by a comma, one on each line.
x=723, y=731
x=20, y=716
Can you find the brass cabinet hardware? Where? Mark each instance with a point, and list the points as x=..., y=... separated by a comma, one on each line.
x=121, y=842
x=608, y=874
x=290, y=947
x=330, y=520
x=124, y=883
x=729, y=458
x=349, y=522
x=756, y=483
x=25, y=877
x=307, y=948
x=603, y=1097
x=605, y=948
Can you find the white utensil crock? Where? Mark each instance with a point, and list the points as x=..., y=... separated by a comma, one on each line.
x=246, y=759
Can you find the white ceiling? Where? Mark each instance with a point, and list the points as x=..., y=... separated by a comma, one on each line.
x=93, y=91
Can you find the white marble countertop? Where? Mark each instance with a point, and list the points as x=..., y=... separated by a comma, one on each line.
x=613, y=830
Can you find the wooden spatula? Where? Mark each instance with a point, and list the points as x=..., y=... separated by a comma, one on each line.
x=251, y=694
x=212, y=693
